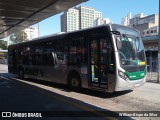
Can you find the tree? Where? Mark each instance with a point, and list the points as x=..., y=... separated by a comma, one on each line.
x=18, y=37
x=3, y=45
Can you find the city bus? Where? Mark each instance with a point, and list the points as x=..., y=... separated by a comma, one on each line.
x=107, y=58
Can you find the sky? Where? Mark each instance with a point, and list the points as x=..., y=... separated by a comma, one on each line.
x=115, y=10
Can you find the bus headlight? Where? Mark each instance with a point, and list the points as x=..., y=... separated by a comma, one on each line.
x=122, y=75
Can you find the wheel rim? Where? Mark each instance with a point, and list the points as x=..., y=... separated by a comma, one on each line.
x=75, y=82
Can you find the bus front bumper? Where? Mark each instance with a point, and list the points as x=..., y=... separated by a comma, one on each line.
x=129, y=84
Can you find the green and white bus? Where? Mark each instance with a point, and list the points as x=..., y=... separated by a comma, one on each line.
x=107, y=58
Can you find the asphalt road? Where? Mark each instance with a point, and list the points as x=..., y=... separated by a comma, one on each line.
x=31, y=95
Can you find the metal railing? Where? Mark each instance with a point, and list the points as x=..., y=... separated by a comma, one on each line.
x=152, y=73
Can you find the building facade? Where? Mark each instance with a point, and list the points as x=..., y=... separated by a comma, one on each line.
x=151, y=31
x=79, y=18
x=97, y=14
x=70, y=20
x=145, y=24
x=126, y=20
x=101, y=21
x=86, y=16
x=135, y=20
x=31, y=32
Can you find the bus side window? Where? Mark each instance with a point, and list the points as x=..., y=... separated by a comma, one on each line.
x=77, y=51
x=48, y=59
x=60, y=57
x=37, y=59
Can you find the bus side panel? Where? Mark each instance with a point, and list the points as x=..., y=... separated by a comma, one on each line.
x=12, y=61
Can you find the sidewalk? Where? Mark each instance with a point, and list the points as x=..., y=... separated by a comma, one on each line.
x=3, y=68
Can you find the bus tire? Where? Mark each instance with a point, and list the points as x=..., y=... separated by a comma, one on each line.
x=75, y=83
x=21, y=73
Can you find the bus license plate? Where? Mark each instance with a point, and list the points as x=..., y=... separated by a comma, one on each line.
x=137, y=84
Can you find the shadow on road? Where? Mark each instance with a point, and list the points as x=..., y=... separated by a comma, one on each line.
x=24, y=97
x=66, y=88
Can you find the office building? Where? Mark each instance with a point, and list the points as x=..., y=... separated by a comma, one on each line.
x=147, y=25
x=31, y=32
x=126, y=20
x=136, y=18
x=79, y=18
x=70, y=20
x=86, y=18
x=97, y=14
x=101, y=21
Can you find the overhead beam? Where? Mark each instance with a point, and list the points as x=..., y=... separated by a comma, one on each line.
x=16, y=15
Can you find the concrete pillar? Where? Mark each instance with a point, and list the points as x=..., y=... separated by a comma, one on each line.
x=158, y=76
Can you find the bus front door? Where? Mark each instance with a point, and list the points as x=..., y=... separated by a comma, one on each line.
x=99, y=63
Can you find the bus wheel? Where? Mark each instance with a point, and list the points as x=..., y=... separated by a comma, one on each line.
x=21, y=73
x=75, y=83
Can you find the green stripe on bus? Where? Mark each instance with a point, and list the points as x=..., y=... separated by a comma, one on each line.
x=136, y=75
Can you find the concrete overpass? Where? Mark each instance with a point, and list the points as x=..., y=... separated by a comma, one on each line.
x=16, y=15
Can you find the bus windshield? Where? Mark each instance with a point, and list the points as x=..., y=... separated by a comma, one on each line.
x=131, y=52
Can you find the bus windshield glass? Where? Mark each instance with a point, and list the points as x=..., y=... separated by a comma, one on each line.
x=131, y=52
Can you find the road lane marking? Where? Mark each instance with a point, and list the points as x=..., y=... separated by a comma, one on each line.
x=64, y=100
x=5, y=78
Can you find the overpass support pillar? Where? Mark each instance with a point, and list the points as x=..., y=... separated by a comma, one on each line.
x=158, y=77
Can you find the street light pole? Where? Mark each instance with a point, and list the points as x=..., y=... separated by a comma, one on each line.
x=38, y=30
